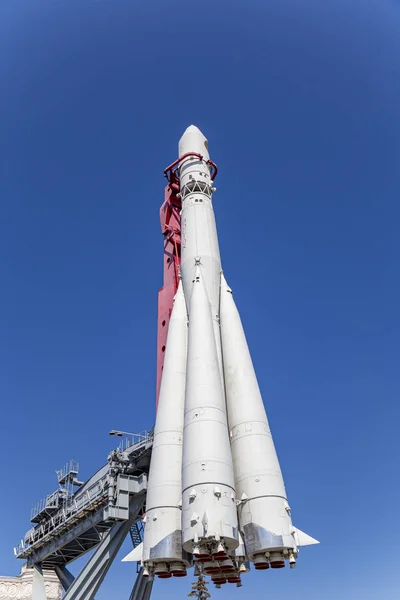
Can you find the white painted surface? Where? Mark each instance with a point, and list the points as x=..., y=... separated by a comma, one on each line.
x=135, y=555
x=212, y=381
x=199, y=231
x=164, y=492
x=193, y=140
x=208, y=499
x=258, y=476
x=303, y=539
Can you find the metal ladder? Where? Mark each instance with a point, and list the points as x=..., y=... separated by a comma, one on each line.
x=142, y=587
x=136, y=532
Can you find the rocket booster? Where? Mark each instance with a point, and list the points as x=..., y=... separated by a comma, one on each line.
x=216, y=493
x=163, y=540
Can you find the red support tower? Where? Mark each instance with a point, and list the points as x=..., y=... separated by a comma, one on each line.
x=171, y=230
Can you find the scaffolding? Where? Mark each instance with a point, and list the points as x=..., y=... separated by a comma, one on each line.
x=68, y=524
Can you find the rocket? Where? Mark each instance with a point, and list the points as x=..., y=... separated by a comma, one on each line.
x=216, y=496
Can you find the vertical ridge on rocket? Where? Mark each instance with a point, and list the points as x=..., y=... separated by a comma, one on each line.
x=216, y=495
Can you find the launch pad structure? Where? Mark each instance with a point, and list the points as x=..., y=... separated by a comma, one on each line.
x=98, y=516
x=203, y=488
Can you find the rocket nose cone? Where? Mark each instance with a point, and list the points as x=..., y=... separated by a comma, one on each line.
x=193, y=140
x=192, y=129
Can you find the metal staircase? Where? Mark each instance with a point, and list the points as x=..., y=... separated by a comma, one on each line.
x=136, y=532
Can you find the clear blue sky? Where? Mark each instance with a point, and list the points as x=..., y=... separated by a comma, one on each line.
x=300, y=102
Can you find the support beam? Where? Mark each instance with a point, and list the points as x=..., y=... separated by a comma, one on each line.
x=88, y=581
x=142, y=588
x=66, y=578
x=61, y=542
x=38, y=587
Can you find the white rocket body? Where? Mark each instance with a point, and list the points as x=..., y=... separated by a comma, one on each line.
x=221, y=493
x=198, y=228
x=208, y=500
x=264, y=512
x=163, y=539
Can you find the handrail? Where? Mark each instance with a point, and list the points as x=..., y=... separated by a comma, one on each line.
x=169, y=170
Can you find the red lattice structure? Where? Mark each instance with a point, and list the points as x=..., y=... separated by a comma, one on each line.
x=171, y=229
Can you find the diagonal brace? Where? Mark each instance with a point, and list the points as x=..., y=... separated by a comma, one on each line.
x=87, y=583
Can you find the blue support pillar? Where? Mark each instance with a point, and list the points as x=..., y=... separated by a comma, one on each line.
x=66, y=578
x=142, y=588
x=86, y=584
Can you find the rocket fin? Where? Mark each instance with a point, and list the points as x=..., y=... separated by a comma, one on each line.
x=134, y=555
x=303, y=539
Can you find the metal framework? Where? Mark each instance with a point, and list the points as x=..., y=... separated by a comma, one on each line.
x=142, y=588
x=98, y=515
x=85, y=586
